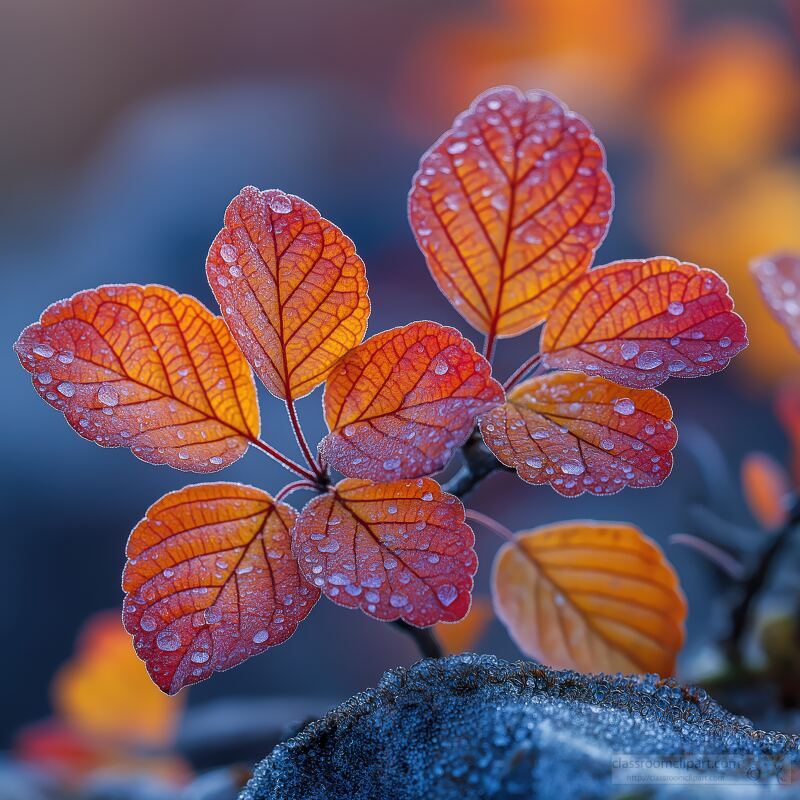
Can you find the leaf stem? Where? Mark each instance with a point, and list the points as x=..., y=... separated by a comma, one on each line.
x=491, y=524
x=285, y=461
x=293, y=487
x=522, y=371
x=423, y=638
x=301, y=439
x=488, y=346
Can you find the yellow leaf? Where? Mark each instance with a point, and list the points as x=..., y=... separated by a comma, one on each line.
x=590, y=596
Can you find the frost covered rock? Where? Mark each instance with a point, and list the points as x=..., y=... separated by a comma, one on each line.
x=470, y=727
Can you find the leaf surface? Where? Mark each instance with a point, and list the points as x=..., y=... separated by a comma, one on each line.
x=583, y=434
x=146, y=368
x=394, y=550
x=211, y=581
x=641, y=322
x=590, y=596
x=778, y=278
x=290, y=286
x=508, y=205
x=399, y=404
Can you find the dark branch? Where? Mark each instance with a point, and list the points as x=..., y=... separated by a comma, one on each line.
x=478, y=463
x=740, y=615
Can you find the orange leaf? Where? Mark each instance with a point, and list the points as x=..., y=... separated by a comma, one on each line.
x=462, y=636
x=211, y=581
x=766, y=486
x=291, y=288
x=146, y=368
x=778, y=278
x=583, y=434
x=399, y=404
x=105, y=693
x=508, y=205
x=590, y=596
x=641, y=322
x=397, y=549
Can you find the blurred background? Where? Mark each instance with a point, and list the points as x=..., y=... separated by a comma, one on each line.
x=128, y=126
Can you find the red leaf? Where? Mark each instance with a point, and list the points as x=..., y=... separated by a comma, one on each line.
x=582, y=434
x=778, y=278
x=641, y=322
x=508, y=205
x=399, y=404
x=211, y=581
x=397, y=549
x=291, y=288
x=146, y=368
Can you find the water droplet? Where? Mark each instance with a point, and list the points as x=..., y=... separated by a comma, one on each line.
x=573, y=468
x=229, y=253
x=648, y=360
x=441, y=368
x=629, y=350
x=391, y=464
x=260, y=637
x=148, y=624
x=168, y=641
x=624, y=406
x=447, y=593
x=280, y=203
x=108, y=395
x=43, y=351
x=458, y=146
x=200, y=657
x=675, y=308
x=398, y=600
x=66, y=388
x=607, y=444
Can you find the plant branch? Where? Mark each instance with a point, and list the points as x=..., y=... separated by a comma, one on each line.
x=488, y=346
x=285, y=461
x=293, y=487
x=740, y=615
x=301, y=439
x=522, y=371
x=423, y=638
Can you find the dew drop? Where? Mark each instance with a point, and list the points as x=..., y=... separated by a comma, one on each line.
x=43, y=351
x=66, y=388
x=229, y=253
x=675, y=308
x=108, y=395
x=648, y=360
x=200, y=657
x=447, y=593
x=168, y=641
x=260, y=637
x=629, y=350
x=624, y=406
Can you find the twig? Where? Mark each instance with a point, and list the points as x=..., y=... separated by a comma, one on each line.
x=740, y=615
x=301, y=439
x=423, y=638
x=284, y=460
x=478, y=463
x=522, y=371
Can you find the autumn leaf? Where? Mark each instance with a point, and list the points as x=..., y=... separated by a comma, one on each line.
x=778, y=278
x=590, y=596
x=641, y=322
x=398, y=405
x=290, y=286
x=104, y=691
x=394, y=550
x=462, y=636
x=766, y=486
x=787, y=410
x=210, y=581
x=583, y=434
x=508, y=206
x=146, y=368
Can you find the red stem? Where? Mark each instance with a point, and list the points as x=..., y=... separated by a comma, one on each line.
x=293, y=487
x=491, y=524
x=522, y=371
x=488, y=346
x=301, y=439
x=284, y=460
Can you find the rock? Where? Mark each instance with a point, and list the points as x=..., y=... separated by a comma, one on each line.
x=472, y=727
